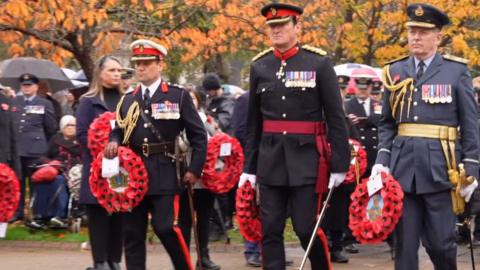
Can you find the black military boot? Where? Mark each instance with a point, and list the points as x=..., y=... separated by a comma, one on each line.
x=207, y=264
x=338, y=256
x=100, y=266
x=114, y=265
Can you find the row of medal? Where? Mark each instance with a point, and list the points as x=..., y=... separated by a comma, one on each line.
x=300, y=79
x=437, y=93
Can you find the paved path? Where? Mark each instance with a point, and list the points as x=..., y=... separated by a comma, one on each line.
x=25, y=256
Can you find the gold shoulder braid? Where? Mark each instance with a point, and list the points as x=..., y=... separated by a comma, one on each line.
x=398, y=91
x=261, y=54
x=128, y=123
x=314, y=50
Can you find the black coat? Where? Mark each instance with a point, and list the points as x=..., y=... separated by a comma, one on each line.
x=292, y=159
x=36, y=123
x=8, y=153
x=221, y=108
x=89, y=108
x=367, y=129
x=161, y=170
x=239, y=118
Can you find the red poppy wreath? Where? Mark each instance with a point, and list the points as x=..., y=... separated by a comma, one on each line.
x=99, y=131
x=358, y=163
x=223, y=180
x=248, y=216
x=120, y=193
x=373, y=218
x=9, y=192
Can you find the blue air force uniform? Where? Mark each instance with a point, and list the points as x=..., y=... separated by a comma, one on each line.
x=441, y=100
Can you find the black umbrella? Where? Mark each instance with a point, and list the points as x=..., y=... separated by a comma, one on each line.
x=45, y=70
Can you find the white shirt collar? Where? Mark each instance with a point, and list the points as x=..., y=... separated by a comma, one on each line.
x=152, y=88
x=365, y=101
x=427, y=61
x=30, y=98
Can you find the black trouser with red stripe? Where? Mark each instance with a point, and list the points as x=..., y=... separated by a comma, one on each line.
x=164, y=210
x=302, y=200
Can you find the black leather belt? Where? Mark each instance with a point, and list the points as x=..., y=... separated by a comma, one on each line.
x=147, y=149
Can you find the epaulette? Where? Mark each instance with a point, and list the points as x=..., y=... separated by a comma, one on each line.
x=260, y=55
x=314, y=50
x=176, y=85
x=455, y=59
x=129, y=91
x=396, y=60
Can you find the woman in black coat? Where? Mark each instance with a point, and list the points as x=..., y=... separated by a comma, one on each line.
x=105, y=231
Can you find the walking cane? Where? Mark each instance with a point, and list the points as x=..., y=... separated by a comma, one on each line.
x=194, y=224
x=466, y=224
x=314, y=234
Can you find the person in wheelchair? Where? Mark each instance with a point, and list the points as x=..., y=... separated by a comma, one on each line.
x=51, y=193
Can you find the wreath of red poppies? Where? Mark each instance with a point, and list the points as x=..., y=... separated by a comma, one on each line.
x=9, y=193
x=224, y=180
x=98, y=132
x=377, y=230
x=248, y=214
x=358, y=163
x=135, y=190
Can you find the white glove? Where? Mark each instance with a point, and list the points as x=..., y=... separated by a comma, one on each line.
x=336, y=179
x=377, y=169
x=247, y=177
x=467, y=191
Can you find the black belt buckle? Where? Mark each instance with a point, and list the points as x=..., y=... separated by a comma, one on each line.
x=145, y=149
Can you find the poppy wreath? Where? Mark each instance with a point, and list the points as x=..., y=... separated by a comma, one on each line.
x=135, y=189
x=378, y=229
x=358, y=163
x=248, y=216
x=224, y=180
x=9, y=193
x=98, y=132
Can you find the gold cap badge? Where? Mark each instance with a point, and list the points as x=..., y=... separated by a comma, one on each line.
x=142, y=48
x=274, y=11
x=419, y=11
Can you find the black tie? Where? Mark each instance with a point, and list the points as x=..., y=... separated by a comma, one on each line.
x=146, y=98
x=421, y=67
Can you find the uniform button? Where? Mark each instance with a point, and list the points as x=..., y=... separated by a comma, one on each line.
x=263, y=89
x=284, y=115
x=284, y=132
x=374, y=147
x=145, y=125
x=363, y=137
x=283, y=97
x=374, y=137
x=24, y=114
x=415, y=118
x=373, y=129
x=416, y=90
x=146, y=111
x=415, y=103
x=145, y=139
x=362, y=129
x=23, y=120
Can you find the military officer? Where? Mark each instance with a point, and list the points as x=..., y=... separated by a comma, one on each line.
x=428, y=97
x=293, y=91
x=35, y=123
x=164, y=111
x=377, y=90
x=365, y=114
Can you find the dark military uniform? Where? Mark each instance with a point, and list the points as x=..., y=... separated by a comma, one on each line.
x=368, y=128
x=286, y=163
x=35, y=122
x=170, y=112
x=8, y=153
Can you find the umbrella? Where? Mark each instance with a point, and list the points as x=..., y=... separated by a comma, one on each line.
x=364, y=72
x=11, y=69
x=346, y=69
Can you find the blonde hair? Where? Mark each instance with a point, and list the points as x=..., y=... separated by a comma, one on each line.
x=96, y=86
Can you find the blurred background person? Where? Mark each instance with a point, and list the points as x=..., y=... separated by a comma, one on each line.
x=51, y=199
x=35, y=123
x=127, y=79
x=203, y=198
x=44, y=91
x=8, y=149
x=105, y=230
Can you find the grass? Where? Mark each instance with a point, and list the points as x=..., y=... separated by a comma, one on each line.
x=22, y=233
